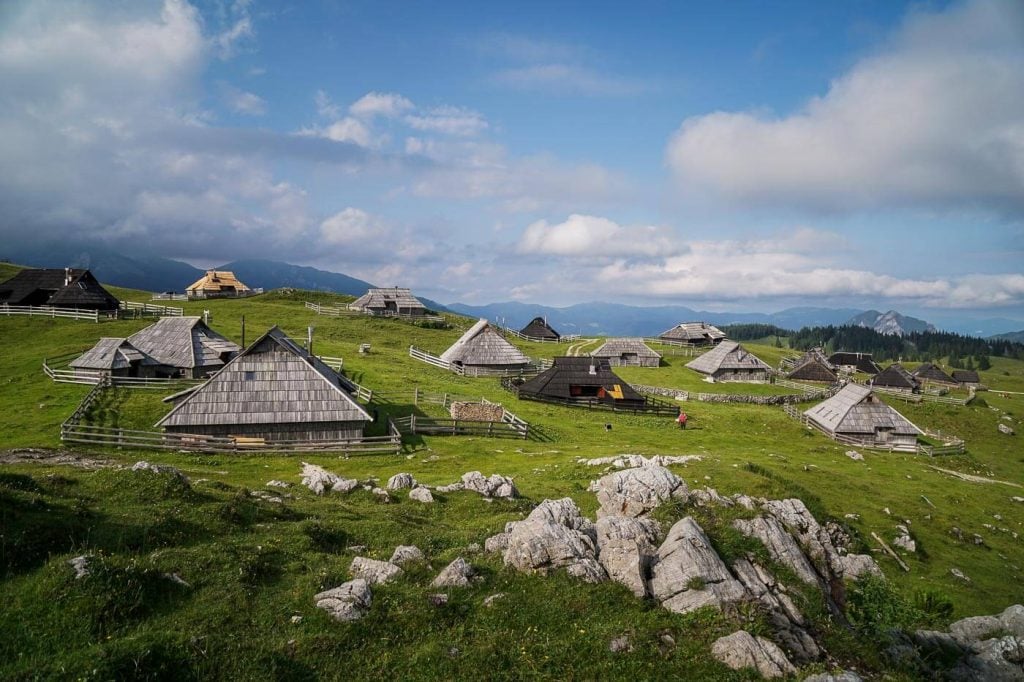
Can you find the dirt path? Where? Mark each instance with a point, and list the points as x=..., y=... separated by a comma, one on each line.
x=974, y=479
x=54, y=457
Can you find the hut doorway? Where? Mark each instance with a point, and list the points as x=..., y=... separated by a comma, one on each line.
x=883, y=436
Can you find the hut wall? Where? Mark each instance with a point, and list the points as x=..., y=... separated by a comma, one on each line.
x=753, y=376
x=274, y=432
x=631, y=361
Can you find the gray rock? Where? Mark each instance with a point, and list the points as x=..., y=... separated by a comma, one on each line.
x=707, y=497
x=451, y=488
x=788, y=623
x=421, y=495
x=635, y=492
x=841, y=676
x=856, y=566
x=278, y=484
x=81, y=565
x=455, y=574
x=382, y=495
x=496, y=543
x=1000, y=659
x=401, y=481
x=554, y=536
x=854, y=455
x=1012, y=619
x=438, y=599
x=687, y=573
x=811, y=536
x=143, y=465
x=742, y=650
x=903, y=539
x=373, y=571
x=495, y=486
x=349, y=601
x=627, y=528
x=489, y=601
x=319, y=480
x=405, y=554
x=1003, y=428
x=625, y=547
x=780, y=544
x=563, y=512
x=620, y=644
x=957, y=573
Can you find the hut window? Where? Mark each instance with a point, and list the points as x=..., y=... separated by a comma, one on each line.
x=250, y=375
x=584, y=391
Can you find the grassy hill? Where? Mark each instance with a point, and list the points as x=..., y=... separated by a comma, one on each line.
x=251, y=565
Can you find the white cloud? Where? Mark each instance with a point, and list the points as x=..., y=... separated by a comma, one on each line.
x=243, y=102
x=584, y=235
x=936, y=117
x=324, y=106
x=385, y=104
x=352, y=227
x=349, y=129
x=449, y=120
x=228, y=41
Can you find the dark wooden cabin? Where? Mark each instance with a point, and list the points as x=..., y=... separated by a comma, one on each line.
x=60, y=288
x=854, y=362
x=582, y=379
x=540, y=329
x=896, y=377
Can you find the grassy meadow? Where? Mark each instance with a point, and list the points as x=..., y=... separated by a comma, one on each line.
x=253, y=565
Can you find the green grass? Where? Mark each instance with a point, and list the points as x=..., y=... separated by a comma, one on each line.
x=252, y=565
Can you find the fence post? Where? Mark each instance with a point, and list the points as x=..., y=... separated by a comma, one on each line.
x=416, y=395
x=412, y=424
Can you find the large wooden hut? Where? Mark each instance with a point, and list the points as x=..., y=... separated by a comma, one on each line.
x=116, y=357
x=274, y=390
x=390, y=301
x=185, y=343
x=928, y=373
x=813, y=366
x=857, y=415
x=729, y=361
x=581, y=380
x=627, y=353
x=540, y=329
x=217, y=284
x=483, y=347
x=854, y=362
x=966, y=377
x=694, y=334
x=60, y=288
x=895, y=377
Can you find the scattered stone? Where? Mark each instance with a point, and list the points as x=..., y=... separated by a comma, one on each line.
x=687, y=573
x=554, y=536
x=852, y=517
x=706, y=497
x=957, y=533
x=319, y=480
x=856, y=566
x=278, y=484
x=1003, y=428
x=473, y=548
x=633, y=461
x=438, y=599
x=267, y=497
x=382, y=495
x=620, y=644
x=143, y=465
x=495, y=486
x=957, y=573
x=1015, y=498
x=742, y=650
x=176, y=579
x=841, y=676
x=451, y=488
x=405, y=554
x=349, y=601
x=421, y=495
x=455, y=574
x=373, y=571
x=903, y=540
x=296, y=620
x=496, y=543
x=635, y=492
x=356, y=548
x=81, y=565
x=489, y=601
x=977, y=539
x=401, y=481
x=854, y=455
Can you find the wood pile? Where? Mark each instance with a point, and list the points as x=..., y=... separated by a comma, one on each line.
x=479, y=412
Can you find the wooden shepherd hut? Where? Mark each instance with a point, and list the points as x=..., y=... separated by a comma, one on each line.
x=118, y=358
x=483, y=347
x=729, y=361
x=274, y=390
x=896, y=378
x=694, y=334
x=627, y=353
x=854, y=362
x=966, y=377
x=928, y=373
x=392, y=301
x=60, y=288
x=813, y=366
x=582, y=380
x=858, y=416
x=185, y=343
x=540, y=329
x=217, y=284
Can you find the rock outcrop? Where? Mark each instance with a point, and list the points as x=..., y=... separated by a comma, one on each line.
x=320, y=480
x=635, y=492
x=349, y=601
x=374, y=572
x=400, y=482
x=742, y=650
x=687, y=573
x=494, y=486
x=625, y=548
x=456, y=574
x=404, y=554
x=421, y=495
x=976, y=649
x=554, y=536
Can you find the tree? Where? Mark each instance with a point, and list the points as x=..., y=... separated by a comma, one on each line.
x=970, y=363
x=983, y=362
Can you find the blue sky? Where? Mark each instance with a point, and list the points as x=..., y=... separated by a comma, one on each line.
x=740, y=155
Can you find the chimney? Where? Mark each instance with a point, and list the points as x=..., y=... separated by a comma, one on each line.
x=309, y=340
x=67, y=276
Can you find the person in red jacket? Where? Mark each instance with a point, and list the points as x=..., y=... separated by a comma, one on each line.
x=682, y=420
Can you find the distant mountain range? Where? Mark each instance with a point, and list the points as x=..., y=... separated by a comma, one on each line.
x=1018, y=337
x=890, y=323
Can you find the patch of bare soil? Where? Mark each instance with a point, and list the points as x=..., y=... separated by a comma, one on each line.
x=54, y=457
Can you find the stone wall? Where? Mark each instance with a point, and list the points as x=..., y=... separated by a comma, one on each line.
x=736, y=398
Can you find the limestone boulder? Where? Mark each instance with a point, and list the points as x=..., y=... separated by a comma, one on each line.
x=421, y=495
x=635, y=492
x=742, y=650
x=174, y=472
x=780, y=544
x=405, y=554
x=496, y=543
x=857, y=566
x=456, y=574
x=401, y=482
x=687, y=573
x=347, y=602
x=494, y=486
x=553, y=536
x=788, y=624
x=320, y=480
x=374, y=572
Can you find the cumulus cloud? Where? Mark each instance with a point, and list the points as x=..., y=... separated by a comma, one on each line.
x=934, y=117
x=240, y=29
x=386, y=104
x=584, y=235
x=449, y=120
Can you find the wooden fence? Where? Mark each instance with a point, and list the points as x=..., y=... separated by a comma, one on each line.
x=345, y=311
x=462, y=427
x=680, y=348
x=651, y=406
x=168, y=297
x=143, y=309
x=59, y=372
x=909, y=397
x=424, y=356
x=566, y=338
x=52, y=312
x=951, y=445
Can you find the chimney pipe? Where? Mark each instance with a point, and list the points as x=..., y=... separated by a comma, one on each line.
x=67, y=276
x=309, y=340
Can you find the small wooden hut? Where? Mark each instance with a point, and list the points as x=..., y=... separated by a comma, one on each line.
x=813, y=366
x=694, y=334
x=966, y=377
x=60, y=288
x=854, y=362
x=729, y=361
x=857, y=415
x=217, y=284
x=895, y=377
x=483, y=347
x=274, y=390
x=928, y=373
x=540, y=329
x=627, y=353
x=186, y=343
x=391, y=301
x=583, y=380
x=117, y=357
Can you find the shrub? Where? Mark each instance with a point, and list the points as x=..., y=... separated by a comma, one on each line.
x=876, y=609
x=324, y=537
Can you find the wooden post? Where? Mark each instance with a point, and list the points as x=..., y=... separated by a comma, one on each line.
x=412, y=424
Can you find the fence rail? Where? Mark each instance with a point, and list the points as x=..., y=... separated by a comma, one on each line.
x=680, y=348
x=424, y=356
x=651, y=405
x=566, y=338
x=168, y=297
x=152, y=309
x=58, y=371
x=462, y=427
x=345, y=311
x=50, y=311
x=906, y=396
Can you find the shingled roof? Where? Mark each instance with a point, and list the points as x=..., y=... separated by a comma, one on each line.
x=482, y=346
x=216, y=282
x=966, y=376
x=273, y=381
x=58, y=287
x=379, y=298
x=693, y=332
x=895, y=376
x=540, y=329
x=862, y=361
x=112, y=354
x=615, y=348
x=566, y=373
x=813, y=366
x=728, y=355
x=856, y=410
x=930, y=372
x=184, y=342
